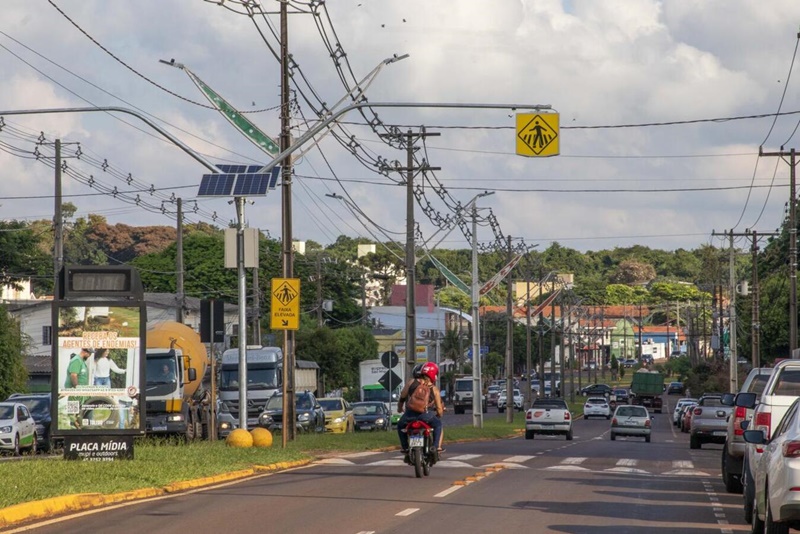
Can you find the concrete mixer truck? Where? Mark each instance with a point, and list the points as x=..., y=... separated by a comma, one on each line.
x=175, y=401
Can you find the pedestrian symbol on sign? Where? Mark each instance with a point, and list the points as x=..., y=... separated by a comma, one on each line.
x=285, y=294
x=537, y=134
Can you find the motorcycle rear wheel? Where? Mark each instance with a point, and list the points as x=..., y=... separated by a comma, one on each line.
x=416, y=459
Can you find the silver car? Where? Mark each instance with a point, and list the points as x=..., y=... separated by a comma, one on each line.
x=631, y=421
x=678, y=409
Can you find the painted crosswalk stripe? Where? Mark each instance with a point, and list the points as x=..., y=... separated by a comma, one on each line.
x=574, y=460
x=517, y=459
x=626, y=462
x=361, y=454
x=682, y=464
x=407, y=511
x=465, y=456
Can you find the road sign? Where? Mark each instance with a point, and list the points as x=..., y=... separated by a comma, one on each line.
x=484, y=351
x=390, y=381
x=285, y=309
x=389, y=359
x=537, y=134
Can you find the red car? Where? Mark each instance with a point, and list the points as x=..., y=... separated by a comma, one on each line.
x=686, y=421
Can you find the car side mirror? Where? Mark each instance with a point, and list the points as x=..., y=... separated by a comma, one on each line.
x=727, y=399
x=745, y=400
x=317, y=406
x=756, y=437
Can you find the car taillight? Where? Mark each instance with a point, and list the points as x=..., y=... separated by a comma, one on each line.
x=739, y=416
x=647, y=423
x=697, y=411
x=529, y=415
x=791, y=449
x=614, y=422
x=566, y=416
x=763, y=422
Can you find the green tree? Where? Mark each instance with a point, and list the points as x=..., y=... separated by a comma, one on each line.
x=13, y=376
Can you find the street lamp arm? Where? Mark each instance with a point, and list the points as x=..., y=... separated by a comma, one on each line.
x=358, y=105
x=174, y=140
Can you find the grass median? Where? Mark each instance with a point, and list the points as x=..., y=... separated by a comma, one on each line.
x=158, y=463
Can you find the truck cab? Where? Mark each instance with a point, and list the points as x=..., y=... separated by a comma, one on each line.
x=264, y=368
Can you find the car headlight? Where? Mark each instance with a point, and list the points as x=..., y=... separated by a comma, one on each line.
x=339, y=420
x=380, y=421
x=5, y=430
x=303, y=417
x=225, y=426
x=175, y=417
x=265, y=419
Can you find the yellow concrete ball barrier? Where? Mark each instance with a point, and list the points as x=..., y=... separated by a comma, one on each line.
x=239, y=438
x=261, y=437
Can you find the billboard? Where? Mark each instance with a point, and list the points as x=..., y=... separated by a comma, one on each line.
x=98, y=368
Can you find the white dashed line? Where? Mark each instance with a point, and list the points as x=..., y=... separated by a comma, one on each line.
x=407, y=511
x=448, y=491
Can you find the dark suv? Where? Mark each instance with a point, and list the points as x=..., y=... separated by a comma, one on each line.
x=39, y=406
x=309, y=414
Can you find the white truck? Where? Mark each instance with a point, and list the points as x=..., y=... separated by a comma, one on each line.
x=264, y=379
x=371, y=372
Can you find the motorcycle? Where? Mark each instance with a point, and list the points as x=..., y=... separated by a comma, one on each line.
x=422, y=453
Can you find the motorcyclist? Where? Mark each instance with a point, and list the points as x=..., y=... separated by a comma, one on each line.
x=422, y=373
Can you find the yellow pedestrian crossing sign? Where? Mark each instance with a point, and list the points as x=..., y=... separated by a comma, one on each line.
x=285, y=309
x=537, y=134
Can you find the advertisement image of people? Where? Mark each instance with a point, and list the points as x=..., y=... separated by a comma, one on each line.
x=98, y=368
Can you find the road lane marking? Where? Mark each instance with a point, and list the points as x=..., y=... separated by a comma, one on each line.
x=361, y=454
x=407, y=511
x=506, y=465
x=626, y=462
x=627, y=470
x=574, y=460
x=448, y=491
x=334, y=461
x=466, y=456
x=682, y=464
x=518, y=459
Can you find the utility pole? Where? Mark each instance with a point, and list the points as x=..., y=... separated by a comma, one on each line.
x=792, y=244
x=256, y=304
x=553, y=366
x=319, y=292
x=58, y=222
x=477, y=412
x=755, y=335
x=288, y=433
x=411, y=257
x=179, y=264
x=528, y=362
x=509, y=341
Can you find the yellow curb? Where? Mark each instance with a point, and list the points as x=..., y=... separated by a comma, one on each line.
x=53, y=506
x=459, y=483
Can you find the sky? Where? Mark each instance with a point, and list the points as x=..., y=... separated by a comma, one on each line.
x=662, y=108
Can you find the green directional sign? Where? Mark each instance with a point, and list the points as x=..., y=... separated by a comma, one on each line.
x=448, y=274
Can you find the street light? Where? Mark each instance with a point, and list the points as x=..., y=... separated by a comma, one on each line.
x=477, y=405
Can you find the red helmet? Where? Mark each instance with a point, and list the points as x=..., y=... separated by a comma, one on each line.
x=431, y=370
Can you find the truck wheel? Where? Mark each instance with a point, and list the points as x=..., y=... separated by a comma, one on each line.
x=529, y=434
x=569, y=435
x=694, y=443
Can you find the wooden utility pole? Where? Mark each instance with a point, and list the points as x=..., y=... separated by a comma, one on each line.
x=509, y=340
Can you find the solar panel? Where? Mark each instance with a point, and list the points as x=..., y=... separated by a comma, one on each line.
x=216, y=185
x=251, y=184
x=274, y=174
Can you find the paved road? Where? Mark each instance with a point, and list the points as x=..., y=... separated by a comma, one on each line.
x=588, y=485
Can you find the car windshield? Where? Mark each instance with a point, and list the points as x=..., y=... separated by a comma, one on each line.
x=364, y=409
x=712, y=401
x=788, y=383
x=595, y=401
x=620, y=392
x=6, y=411
x=331, y=405
x=631, y=411
x=550, y=403
x=38, y=406
x=758, y=383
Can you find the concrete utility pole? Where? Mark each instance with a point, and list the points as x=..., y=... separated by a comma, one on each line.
x=755, y=335
x=411, y=256
x=792, y=230
x=509, y=341
x=528, y=362
x=58, y=222
x=179, y=264
x=734, y=377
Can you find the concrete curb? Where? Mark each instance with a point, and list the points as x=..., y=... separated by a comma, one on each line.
x=46, y=508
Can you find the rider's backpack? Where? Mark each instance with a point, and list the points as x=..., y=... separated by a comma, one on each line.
x=420, y=397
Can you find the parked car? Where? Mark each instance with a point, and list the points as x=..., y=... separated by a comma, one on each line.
x=780, y=391
x=548, y=416
x=596, y=389
x=735, y=446
x=338, y=415
x=677, y=413
x=17, y=428
x=371, y=416
x=596, y=407
x=38, y=405
x=630, y=362
x=776, y=503
x=676, y=388
x=309, y=414
x=502, y=401
x=226, y=423
x=709, y=421
x=631, y=421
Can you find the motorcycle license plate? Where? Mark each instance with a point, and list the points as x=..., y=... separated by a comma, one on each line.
x=416, y=441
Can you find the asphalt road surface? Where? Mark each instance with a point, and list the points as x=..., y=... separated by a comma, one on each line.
x=588, y=485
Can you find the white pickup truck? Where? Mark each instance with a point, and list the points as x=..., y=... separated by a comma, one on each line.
x=548, y=416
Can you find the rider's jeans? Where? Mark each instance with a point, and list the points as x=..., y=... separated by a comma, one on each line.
x=427, y=417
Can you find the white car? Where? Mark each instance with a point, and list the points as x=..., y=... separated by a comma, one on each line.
x=17, y=428
x=502, y=401
x=776, y=505
x=631, y=421
x=681, y=403
x=596, y=407
x=548, y=416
